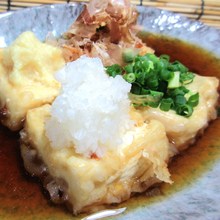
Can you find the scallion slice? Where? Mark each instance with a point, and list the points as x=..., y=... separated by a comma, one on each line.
x=166, y=104
x=180, y=100
x=129, y=77
x=193, y=100
x=114, y=70
x=166, y=75
x=184, y=110
x=186, y=77
x=175, y=81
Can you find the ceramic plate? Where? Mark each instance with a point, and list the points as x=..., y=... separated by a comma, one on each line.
x=195, y=193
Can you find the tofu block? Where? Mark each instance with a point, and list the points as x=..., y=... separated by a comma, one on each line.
x=88, y=183
x=180, y=130
x=27, y=80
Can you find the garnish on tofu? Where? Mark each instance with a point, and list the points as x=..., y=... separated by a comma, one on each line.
x=91, y=117
x=157, y=82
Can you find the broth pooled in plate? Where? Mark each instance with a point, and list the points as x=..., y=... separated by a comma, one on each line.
x=117, y=118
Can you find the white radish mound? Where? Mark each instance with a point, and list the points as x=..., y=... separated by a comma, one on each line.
x=91, y=113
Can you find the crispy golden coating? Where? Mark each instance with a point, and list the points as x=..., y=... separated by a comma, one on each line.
x=92, y=182
x=27, y=70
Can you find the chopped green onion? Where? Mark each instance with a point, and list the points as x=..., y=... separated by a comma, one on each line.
x=130, y=77
x=144, y=91
x=128, y=68
x=114, y=70
x=155, y=81
x=152, y=83
x=151, y=65
x=186, y=78
x=166, y=75
x=153, y=104
x=175, y=81
x=193, y=100
x=166, y=104
x=184, y=110
x=177, y=91
x=136, y=88
x=165, y=57
x=180, y=100
x=177, y=66
x=152, y=57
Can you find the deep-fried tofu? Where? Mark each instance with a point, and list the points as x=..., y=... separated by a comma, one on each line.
x=27, y=81
x=87, y=183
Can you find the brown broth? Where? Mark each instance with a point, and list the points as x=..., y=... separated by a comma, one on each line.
x=21, y=197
